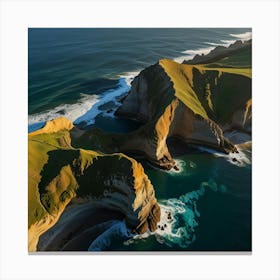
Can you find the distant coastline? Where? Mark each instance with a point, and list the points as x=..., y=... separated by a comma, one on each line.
x=148, y=164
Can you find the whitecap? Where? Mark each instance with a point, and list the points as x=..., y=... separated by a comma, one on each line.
x=206, y=50
x=181, y=165
x=87, y=107
x=226, y=43
x=243, y=36
x=180, y=59
x=129, y=76
x=70, y=111
x=110, y=95
x=179, y=218
x=239, y=159
x=199, y=51
x=185, y=168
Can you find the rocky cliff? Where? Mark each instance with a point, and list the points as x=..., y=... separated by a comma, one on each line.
x=195, y=103
x=221, y=52
x=62, y=178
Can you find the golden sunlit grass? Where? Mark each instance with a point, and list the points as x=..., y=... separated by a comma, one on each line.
x=192, y=87
x=56, y=172
x=182, y=77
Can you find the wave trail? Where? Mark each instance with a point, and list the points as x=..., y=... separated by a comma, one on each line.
x=189, y=54
x=86, y=108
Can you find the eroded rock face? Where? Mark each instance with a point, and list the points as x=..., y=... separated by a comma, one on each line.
x=112, y=186
x=165, y=116
x=199, y=131
x=242, y=119
x=151, y=100
x=220, y=52
x=193, y=103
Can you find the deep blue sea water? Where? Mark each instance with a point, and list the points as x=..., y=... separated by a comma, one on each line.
x=83, y=73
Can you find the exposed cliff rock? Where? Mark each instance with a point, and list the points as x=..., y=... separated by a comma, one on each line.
x=113, y=186
x=220, y=52
x=193, y=103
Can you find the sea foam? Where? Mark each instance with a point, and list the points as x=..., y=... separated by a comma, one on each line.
x=243, y=36
x=177, y=226
x=70, y=111
x=239, y=159
x=185, y=168
x=189, y=54
x=110, y=95
x=86, y=108
x=179, y=218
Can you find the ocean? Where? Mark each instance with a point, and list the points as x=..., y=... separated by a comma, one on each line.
x=80, y=73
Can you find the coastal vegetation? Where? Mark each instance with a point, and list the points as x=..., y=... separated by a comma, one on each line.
x=197, y=102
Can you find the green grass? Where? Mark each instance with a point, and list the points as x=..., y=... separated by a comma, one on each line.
x=182, y=78
x=39, y=148
x=58, y=173
x=240, y=59
x=211, y=92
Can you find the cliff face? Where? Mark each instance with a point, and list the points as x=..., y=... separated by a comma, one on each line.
x=196, y=103
x=193, y=103
x=221, y=52
x=152, y=101
x=114, y=186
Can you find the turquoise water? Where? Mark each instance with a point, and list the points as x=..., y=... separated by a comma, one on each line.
x=83, y=73
x=210, y=201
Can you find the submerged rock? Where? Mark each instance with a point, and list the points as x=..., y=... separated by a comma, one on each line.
x=176, y=168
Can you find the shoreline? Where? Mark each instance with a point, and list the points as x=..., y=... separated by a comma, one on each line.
x=44, y=116
x=186, y=110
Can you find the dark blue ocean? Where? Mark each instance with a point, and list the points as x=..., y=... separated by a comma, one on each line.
x=81, y=73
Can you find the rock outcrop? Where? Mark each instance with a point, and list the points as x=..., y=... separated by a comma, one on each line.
x=220, y=52
x=193, y=103
x=82, y=181
x=110, y=186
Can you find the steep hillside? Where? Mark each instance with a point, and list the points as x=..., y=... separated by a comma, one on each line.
x=238, y=54
x=59, y=175
x=195, y=103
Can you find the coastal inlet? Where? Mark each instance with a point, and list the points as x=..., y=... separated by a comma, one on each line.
x=146, y=154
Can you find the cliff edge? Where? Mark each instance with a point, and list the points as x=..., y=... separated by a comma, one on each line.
x=60, y=177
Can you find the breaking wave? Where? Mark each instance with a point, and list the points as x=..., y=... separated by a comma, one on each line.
x=179, y=218
x=209, y=46
x=240, y=159
x=86, y=108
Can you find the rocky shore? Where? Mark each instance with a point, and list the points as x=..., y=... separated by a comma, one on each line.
x=82, y=181
x=60, y=174
x=221, y=52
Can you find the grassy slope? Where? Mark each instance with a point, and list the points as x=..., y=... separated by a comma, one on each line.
x=227, y=81
x=58, y=172
x=39, y=148
x=213, y=90
x=240, y=59
x=182, y=77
